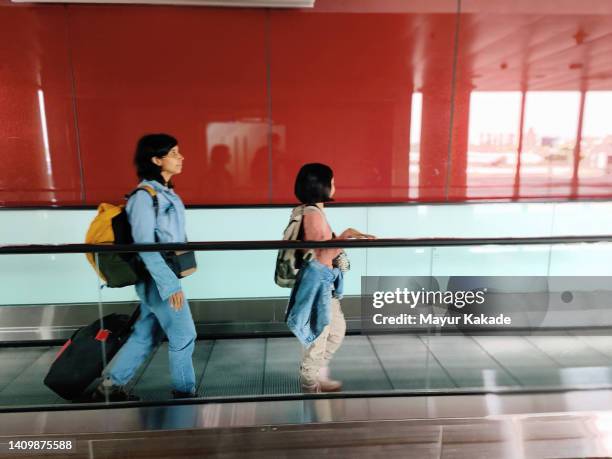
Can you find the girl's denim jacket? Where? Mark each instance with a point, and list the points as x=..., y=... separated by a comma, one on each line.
x=167, y=226
x=309, y=308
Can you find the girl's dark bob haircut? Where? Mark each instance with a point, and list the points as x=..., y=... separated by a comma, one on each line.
x=152, y=146
x=313, y=183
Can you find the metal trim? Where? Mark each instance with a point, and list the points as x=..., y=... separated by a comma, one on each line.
x=249, y=413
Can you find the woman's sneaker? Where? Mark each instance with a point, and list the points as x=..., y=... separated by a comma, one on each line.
x=106, y=390
x=327, y=384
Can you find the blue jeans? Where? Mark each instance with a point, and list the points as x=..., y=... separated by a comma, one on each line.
x=157, y=318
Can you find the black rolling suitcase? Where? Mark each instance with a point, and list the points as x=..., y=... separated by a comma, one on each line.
x=81, y=359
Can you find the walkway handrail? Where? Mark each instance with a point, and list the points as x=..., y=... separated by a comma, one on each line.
x=271, y=245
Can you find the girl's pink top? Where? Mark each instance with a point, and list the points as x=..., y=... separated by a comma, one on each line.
x=316, y=228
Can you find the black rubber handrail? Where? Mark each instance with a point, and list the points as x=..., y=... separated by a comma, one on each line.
x=272, y=245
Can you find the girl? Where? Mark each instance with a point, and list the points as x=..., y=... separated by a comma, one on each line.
x=314, y=186
x=163, y=307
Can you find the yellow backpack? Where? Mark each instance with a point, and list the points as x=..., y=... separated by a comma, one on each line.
x=111, y=226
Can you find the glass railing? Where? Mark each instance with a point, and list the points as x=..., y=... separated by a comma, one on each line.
x=554, y=290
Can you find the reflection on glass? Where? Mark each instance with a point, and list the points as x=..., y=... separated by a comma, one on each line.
x=546, y=149
x=493, y=143
x=241, y=156
x=45, y=138
x=596, y=146
x=219, y=178
x=549, y=138
x=415, y=145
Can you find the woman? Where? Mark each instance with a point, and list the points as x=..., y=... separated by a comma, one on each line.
x=163, y=307
x=314, y=186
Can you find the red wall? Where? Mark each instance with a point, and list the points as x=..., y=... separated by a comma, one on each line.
x=336, y=84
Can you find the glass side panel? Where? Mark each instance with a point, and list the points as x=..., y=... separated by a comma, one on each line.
x=233, y=326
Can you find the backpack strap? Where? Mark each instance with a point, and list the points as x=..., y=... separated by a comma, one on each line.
x=312, y=205
x=299, y=254
x=306, y=206
x=152, y=193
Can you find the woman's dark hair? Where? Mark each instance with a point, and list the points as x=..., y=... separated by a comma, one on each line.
x=152, y=146
x=313, y=183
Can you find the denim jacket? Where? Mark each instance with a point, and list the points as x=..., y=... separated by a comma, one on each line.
x=169, y=226
x=309, y=308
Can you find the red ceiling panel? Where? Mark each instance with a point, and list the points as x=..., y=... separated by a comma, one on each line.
x=539, y=52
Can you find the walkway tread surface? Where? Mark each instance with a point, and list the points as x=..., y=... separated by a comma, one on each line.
x=269, y=366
